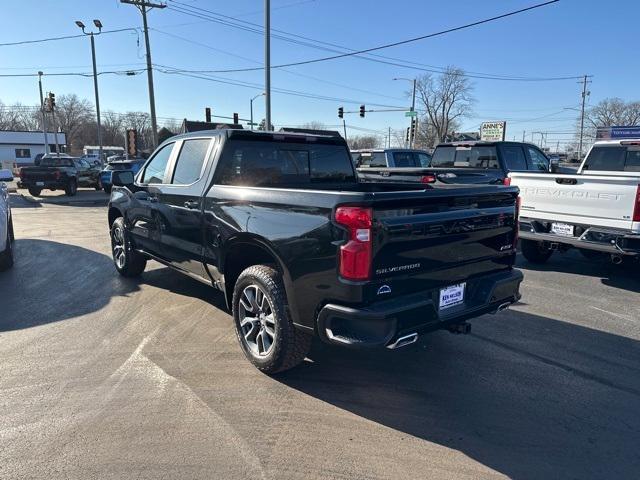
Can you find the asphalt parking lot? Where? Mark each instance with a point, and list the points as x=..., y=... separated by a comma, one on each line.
x=105, y=377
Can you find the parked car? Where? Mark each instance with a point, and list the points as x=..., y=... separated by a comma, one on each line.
x=59, y=173
x=390, y=164
x=121, y=165
x=596, y=210
x=6, y=223
x=280, y=223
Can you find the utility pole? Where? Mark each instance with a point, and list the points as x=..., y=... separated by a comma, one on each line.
x=98, y=25
x=142, y=6
x=44, y=115
x=584, y=97
x=523, y=134
x=389, y=137
x=344, y=125
x=267, y=64
x=413, y=109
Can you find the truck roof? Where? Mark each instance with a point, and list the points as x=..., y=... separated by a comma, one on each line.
x=229, y=132
x=619, y=141
x=473, y=143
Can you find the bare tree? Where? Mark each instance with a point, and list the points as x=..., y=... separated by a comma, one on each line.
x=363, y=141
x=314, y=125
x=446, y=99
x=72, y=116
x=141, y=121
x=112, y=128
x=613, y=111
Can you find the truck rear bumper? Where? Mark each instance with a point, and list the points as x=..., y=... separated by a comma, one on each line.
x=384, y=323
x=45, y=185
x=601, y=239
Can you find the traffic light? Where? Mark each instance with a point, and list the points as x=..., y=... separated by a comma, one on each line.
x=207, y=115
x=362, y=110
x=406, y=139
x=132, y=142
x=52, y=100
x=414, y=126
x=340, y=112
x=235, y=118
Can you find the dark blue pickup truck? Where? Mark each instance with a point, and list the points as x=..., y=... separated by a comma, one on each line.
x=280, y=223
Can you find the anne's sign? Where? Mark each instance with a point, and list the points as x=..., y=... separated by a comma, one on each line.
x=493, y=131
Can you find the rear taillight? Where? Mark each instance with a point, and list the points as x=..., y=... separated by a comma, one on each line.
x=355, y=255
x=428, y=179
x=636, y=208
x=506, y=181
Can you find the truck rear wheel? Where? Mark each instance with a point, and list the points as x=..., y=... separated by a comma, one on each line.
x=128, y=262
x=263, y=324
x=71, y=189
x=534, y=251
x=35, y=192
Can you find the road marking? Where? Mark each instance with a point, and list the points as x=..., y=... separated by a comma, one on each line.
x=617, y=315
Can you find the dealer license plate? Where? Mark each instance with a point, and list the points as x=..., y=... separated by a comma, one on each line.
x=562, y=229
x=451, y=296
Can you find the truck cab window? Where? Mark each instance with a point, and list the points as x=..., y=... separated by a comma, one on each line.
x=513, y=157
x=610, y=159
x=538, y=161
x=190, y=161
x=155, y=171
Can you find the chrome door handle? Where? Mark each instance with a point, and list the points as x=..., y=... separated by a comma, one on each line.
x=153, y=199
x=191, y=204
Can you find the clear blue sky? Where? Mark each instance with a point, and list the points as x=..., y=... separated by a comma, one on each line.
x=571, y=37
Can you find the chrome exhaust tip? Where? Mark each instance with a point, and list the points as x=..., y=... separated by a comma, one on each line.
x=404, y=341
x=502, y=307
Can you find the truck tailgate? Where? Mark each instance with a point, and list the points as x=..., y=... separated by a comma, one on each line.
x=40, y=174
x=598, y=200
x=445, y=236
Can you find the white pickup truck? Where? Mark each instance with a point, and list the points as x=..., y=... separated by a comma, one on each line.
x=596, y=210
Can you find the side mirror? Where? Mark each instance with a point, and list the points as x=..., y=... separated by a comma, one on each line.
x=554, y=163
x=122, y=178
x=6, y=175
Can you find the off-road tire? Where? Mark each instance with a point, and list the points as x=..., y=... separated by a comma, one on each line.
x=132, y=264
x=290, y=345
x=35, y=192
x=534, y=251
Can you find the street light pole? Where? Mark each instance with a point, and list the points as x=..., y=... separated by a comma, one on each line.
x=267, y=63
x=251, y=107
x=98, y=24
x=44, y=115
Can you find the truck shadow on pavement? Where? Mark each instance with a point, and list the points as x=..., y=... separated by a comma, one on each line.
x=623, y=276
x=528, y=396
x=55, y=281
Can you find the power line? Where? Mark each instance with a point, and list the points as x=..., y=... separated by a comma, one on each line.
x=65, y=37
x=255, y=28
x=75, y=74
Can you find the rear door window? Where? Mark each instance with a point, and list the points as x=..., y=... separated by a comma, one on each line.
x=425, y=160
x=632, y=162
x=514, y=158
x=190, y=161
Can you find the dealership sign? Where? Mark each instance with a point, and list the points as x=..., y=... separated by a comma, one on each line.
x=493, y=131
x=607, y=133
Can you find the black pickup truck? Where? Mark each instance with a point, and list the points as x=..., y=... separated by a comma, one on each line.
x=59, y=173
x=471, y=163
x=280, y=223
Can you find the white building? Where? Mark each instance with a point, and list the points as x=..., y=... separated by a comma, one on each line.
x=21, y=148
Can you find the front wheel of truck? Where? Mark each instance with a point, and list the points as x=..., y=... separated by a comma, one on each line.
x=534, y=251
x=263, y=324
x=128, y=262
